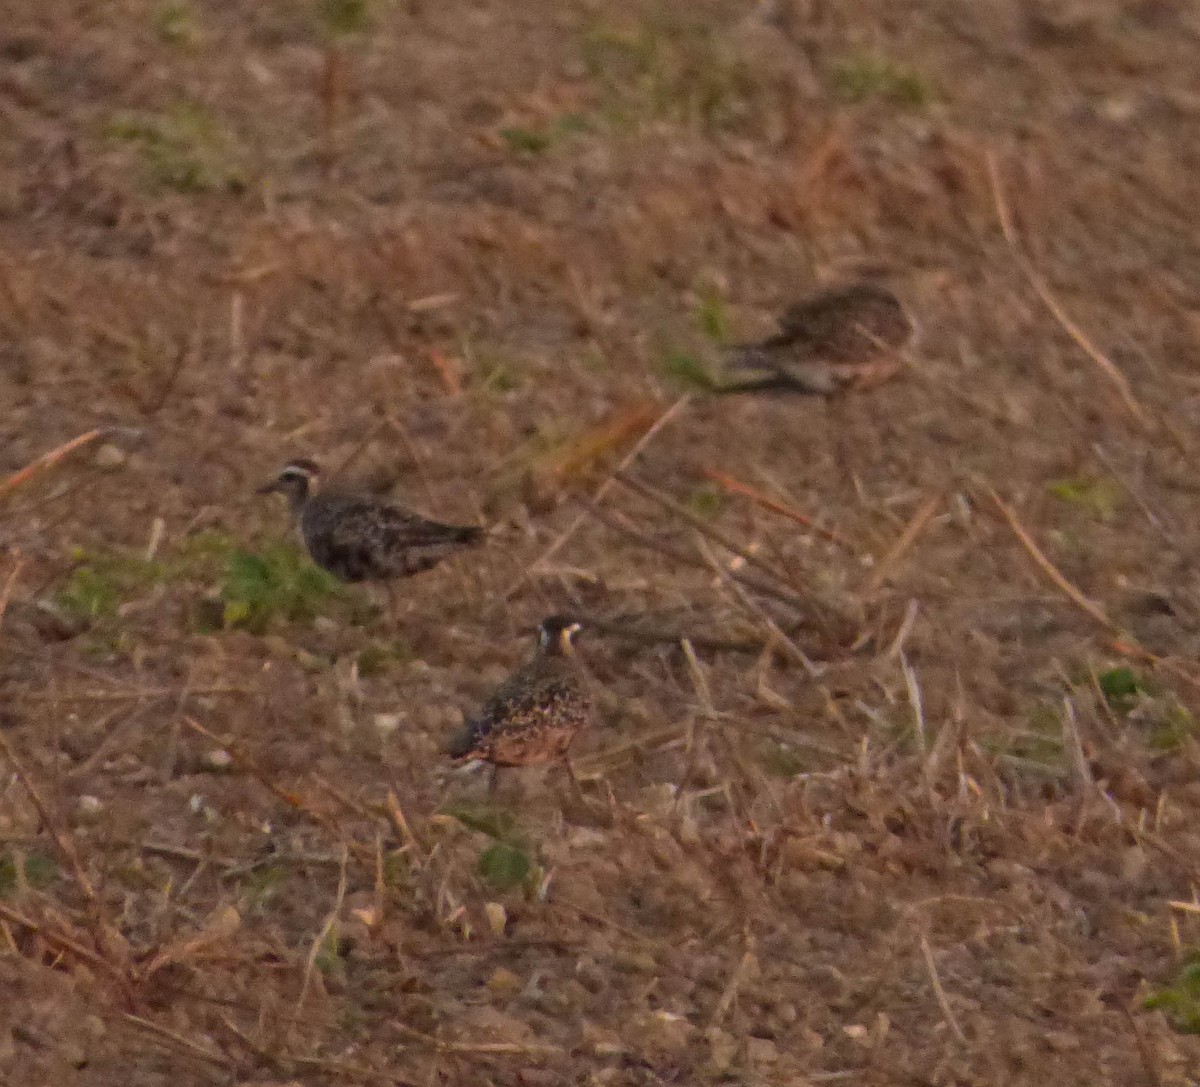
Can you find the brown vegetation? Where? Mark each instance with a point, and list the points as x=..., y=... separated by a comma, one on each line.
x=895, y=777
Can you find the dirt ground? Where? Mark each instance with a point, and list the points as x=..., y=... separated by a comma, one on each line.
x=893, y=778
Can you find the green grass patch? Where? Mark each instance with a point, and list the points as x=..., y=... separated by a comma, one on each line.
x=1181, y=999
x=523, y=140
x=1120, y=687
x=503, y=866
x=712, y=314
x=342, y=18
x=686, y=370
x=671, y=70
x=493, y=822
x=175, y=23
x=1041, y=743
x=38, y=869
x=100, y=584
x=381, y=656
x=706, y=501
x=1100, y=497
x=1142, y=703
x=867, y=76
x=780, y=760
x=280, y=583
x=182, y=148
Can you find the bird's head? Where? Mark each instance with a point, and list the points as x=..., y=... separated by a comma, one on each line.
x=297, y=480
x=556, y=634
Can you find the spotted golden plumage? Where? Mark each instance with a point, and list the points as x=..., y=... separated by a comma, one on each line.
x=839, y=338
x=361, y=537
x=534, y=715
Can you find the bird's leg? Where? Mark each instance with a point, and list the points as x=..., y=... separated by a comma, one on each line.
x=571, y=775
x=493, y=777
x=393, y=608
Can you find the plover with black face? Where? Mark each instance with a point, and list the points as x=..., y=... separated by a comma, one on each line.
x=533, y=716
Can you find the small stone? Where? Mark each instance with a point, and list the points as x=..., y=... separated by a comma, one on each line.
x=722, y=1048
x=761, y=1051
x=387, y=723
x=90, y=808
x=504, y=982
x=109, y=457
x=216, y=761
x=497, y=917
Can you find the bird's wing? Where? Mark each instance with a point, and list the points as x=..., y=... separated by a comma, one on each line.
x=521, y=702
x=402, y=527
x=354, y=521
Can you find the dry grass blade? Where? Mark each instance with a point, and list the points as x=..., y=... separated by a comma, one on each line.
x=320, y=939
x=603, y=489
x=700, y=525
x=699, y=679
x=402, y=825
x=1047, y=567
x=736, y=486
x=62, y=943
x=448, y=373
x=217, y=929
x=9, y=584
x=903, y=544
x=65, y=846
x=939, y=992
x=769, y=589
x=48, y=460
x=290, y=798
x=751, y=605
x=576, y=458
x=1042, y=290
x=736, y=979
x=1080, y=769
x=913, y=686
x=185, y=1045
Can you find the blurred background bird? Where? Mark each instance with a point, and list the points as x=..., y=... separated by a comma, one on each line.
x=843, y=337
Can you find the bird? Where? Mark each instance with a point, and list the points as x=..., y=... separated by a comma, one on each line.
x=362, y=537
x=532, y=718
x=841, y=337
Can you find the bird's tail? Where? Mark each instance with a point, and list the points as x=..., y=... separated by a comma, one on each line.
x=747, y=356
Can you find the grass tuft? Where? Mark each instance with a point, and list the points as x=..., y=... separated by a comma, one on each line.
x=671, y=70
x=36, y=870
x=686, y=370
x=341, y=18
x=503, y=866
x=182, y=148
x=864, y=77
x=175, y=23
x=99, y=586
x=279, y=584
x=1181, y=999
x=1099, y=497
x=493, y=822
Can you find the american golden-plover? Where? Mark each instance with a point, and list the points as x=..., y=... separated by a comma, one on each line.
x=361, y=537
x=842, y=337
x=534, y=715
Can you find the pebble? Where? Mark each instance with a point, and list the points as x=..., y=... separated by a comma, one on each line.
x=109, y=457
x=90, y=807
x=387, y=723
x=216, y=760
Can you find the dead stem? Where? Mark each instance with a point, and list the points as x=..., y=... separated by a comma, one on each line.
x=638, y=448
x=736, y=486
x=1042, y=290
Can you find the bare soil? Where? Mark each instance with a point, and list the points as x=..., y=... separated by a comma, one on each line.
x=472, y=251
